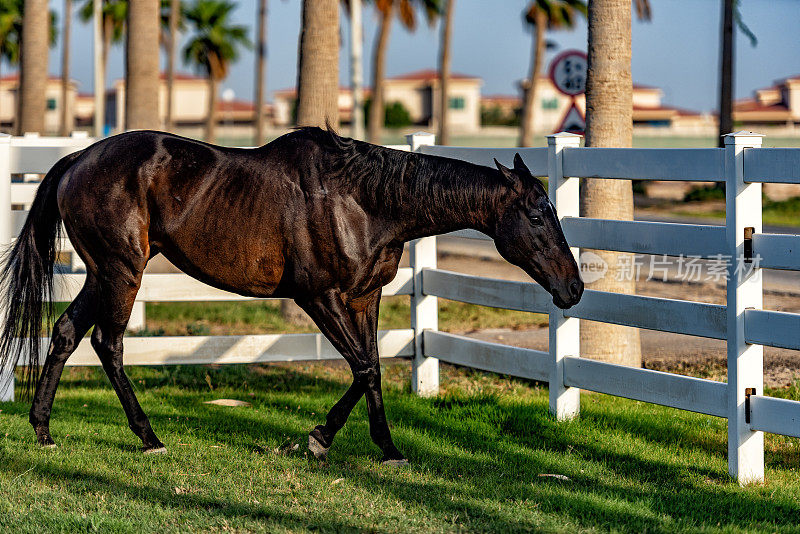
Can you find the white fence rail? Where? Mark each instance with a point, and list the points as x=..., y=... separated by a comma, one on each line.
x=745, y=327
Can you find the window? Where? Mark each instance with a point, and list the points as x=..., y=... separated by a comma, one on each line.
x=455, y=102
x=550, y=103
x=51, y=104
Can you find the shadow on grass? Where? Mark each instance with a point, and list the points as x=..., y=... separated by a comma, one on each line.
x=475, y=456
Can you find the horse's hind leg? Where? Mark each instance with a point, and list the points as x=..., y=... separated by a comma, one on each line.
x=352, y=329
x=117, y=296
x=68, y=331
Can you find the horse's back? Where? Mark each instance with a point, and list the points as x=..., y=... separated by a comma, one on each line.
x=212, y=211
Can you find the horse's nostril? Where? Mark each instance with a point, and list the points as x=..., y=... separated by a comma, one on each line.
x=575, y=288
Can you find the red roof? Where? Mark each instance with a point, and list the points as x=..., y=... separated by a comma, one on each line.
x=501, y=98
x=750, y=104
x=182, y=76
x=14, y=77
x=431, y=74
x=235, y=105
x=342, y=89
x=679, y=111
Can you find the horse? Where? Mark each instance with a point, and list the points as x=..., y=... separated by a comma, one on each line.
x=310, y=216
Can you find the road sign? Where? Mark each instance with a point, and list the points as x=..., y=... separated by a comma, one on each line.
x=573, y=121
x=568, y=72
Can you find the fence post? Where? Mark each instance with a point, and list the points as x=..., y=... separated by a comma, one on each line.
x=137, y=320
x=6, y=234
x=565, y=339
x=744, y=290
x=424, y=309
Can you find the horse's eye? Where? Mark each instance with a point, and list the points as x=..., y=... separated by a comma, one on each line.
x=535, y=219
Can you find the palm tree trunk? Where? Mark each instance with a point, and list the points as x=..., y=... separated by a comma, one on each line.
x=66, y=117
x=98, y=67
x=357, y=69
x=609, y=123
x=726, y=74
x=108, y=33
x=33, y=66
x=141, y=65
x=375, y=125
x=211, y=117
x=261, y=60
x=172, y=47
x=318, y=69
x=537, y=57
x=444, y=73
x=317, y=87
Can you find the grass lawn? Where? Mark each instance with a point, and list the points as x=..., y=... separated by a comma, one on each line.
x=777, y=213
x=264, y=317
x=478, y=452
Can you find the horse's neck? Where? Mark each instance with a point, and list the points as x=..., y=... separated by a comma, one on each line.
x=444, y=195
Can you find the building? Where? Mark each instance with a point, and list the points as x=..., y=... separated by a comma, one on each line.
x=417, y=91
x=52, y=118
x=190, y=103
x=778, y=105
x=648, y=111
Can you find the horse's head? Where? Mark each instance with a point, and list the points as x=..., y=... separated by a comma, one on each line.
x=529, y=235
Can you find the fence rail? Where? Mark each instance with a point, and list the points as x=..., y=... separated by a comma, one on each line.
x=741, y=322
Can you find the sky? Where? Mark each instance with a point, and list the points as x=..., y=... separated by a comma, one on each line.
x=677, y=51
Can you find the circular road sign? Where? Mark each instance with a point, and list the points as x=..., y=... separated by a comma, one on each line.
x=568, y=72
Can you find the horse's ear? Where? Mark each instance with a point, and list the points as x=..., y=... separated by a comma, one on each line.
x=519, y=165
x=508, y=175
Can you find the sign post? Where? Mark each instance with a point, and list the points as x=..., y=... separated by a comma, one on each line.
x=568, y=74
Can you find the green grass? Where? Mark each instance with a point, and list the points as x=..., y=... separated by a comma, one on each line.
x=477, y=454
x=264, y=317
x=774, y=212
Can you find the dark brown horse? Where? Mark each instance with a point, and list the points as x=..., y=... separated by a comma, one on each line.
x=311, y=216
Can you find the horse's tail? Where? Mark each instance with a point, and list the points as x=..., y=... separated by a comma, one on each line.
x=26, y=278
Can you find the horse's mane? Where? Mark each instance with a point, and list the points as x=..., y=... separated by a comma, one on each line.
x=387, y=178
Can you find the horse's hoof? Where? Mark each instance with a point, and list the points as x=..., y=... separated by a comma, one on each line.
x=316, y=448
x=396, y=463
x=155, y=450
x=48, y=446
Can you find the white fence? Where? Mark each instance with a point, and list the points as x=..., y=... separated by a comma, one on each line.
x=746, y=328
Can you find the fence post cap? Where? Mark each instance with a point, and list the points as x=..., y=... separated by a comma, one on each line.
x=417, y=139
x=563, y=138
x=742, y=136
x=563, y=134
x=78, y=134
x=5, y=138
x=31, y=135
x=417, y=135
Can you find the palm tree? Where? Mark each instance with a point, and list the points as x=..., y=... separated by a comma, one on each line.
x=171, y=43
x=356, y=67
x=609, y=123
x=444, y=71
x=730, y=15
x=115, y=13
x=142, y=65
x=213, y=45
x=261, y=59
x=10, y=30
x=33, y=66
x=11, y=33
x=318, y=65
x=317, y=88
x=543, y=15
x=406, y=11
x=66, y=119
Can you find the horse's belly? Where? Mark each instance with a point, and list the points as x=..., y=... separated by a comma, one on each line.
x=255, y=273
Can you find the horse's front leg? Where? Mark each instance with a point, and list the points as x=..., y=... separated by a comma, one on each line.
x=351, y=326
